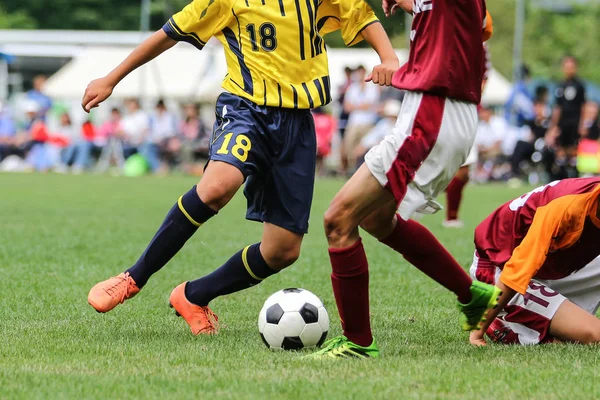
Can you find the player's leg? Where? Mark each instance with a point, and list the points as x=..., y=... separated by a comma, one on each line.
x=415, y=164
x=419, y=247
x=454, y=193
x=278, y=249
x=572, y=323
x=274, y=199
x=359, y=197
x=231, y=161
x=218, y=185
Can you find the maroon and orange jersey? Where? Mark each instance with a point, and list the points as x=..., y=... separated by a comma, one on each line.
x=548, y=233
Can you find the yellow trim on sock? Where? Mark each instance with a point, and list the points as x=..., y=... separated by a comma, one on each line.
x=188, y=216
x=245, y=261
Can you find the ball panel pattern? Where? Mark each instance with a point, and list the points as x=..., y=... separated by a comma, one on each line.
x=274, y=314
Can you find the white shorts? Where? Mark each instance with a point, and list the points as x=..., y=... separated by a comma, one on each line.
x=526, y=318
x=472, y=158
x=430, y=141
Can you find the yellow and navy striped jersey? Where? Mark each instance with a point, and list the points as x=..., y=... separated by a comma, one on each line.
x=274, y=48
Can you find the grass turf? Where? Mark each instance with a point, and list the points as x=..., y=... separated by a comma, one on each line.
x=59, y=235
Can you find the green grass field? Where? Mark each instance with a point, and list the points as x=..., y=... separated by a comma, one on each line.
x=59, y=235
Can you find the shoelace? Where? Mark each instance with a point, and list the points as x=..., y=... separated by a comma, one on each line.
x=116, y=291
x=209, y=318
x=333, y=343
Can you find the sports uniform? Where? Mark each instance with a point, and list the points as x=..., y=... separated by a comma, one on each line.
x=438, y=122
x=432, y=137
x=544, y=245
x=277, y=71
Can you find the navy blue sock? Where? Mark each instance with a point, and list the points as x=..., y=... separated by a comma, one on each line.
x=179, y=225
x=244, y=269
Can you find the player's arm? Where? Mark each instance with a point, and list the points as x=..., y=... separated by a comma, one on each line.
x=391, y=6
x=382, y=74
x=583, y=130
x=556, y=113
x=357, y=21
x=476, y=338
x=100, y=89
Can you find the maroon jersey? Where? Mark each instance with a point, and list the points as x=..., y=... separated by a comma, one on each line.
x=548, y=233
x=446, y=57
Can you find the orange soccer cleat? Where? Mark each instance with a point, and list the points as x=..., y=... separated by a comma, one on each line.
x=108, y=294
x=201, y=319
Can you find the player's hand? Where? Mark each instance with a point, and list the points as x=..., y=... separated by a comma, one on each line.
x=551, y=135
x=382, y=74
x=476, y=338
x=389, y=7
x=96, y=92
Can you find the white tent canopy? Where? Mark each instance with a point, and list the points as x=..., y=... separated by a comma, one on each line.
x=182, y=74
x=186, y=73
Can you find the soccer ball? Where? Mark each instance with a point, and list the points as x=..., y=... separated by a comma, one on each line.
x=293, y=319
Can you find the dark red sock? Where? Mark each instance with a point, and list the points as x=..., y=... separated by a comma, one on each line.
x=453, y=197
x=350, y=281
x=420, y=248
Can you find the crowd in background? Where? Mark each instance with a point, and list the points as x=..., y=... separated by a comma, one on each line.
x=50, y=141
x=536, y=137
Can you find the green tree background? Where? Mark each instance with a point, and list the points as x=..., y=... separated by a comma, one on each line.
x=548, y=35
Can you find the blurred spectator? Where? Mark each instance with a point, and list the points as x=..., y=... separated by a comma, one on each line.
x=162, y=129
x=590, y=120
x=136, y=127
x=518, y=109
x=543, y=112
x=525, y=148
x=568, y=107
x=8, y=133
x=389, y=93
x=112, y=127
x=33, y=138
x=37, y=95
x=193, y=139
x=109, y=139
x=324, y=128
x=78, y=153
x=343, y=118
x=491, y=133
x=566, y=126
x=389, y=115
x=360, y=102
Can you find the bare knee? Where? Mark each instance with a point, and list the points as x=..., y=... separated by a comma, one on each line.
x=219, y=184
x=339, y=227
x=378, y=228
x=215, y=195
x=589, y=335
x=463, y=174
x=282, y=255
x=381, y=223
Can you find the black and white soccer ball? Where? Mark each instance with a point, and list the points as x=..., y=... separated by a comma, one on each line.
x=293, y=319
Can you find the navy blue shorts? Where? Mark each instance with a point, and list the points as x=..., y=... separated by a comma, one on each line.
x=275, y=149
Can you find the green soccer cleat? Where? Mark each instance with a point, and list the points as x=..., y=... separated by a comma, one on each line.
x=485, y=297
x=341, y=347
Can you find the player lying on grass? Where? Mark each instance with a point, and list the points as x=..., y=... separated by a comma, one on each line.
x=541, y=250
x=263, y=135
x=410, y=167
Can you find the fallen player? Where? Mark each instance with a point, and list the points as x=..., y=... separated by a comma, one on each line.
x=542, y=251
